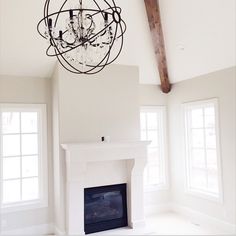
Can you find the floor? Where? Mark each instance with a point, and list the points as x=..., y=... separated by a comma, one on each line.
x=174, y=224
x=167, y=224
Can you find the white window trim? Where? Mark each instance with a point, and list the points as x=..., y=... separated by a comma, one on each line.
x=42, y=202
x=165, y=186
x=188, y=190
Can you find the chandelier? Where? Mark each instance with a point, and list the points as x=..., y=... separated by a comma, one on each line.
x=84, y=38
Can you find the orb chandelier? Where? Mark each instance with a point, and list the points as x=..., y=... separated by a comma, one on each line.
x=84, y=38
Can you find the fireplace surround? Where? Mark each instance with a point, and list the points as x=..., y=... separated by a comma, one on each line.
x=81, y=156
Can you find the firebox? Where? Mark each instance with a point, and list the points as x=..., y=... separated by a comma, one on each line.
x=105, y=208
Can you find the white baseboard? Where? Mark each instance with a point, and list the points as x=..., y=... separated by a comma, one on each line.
x=44, y=229
x=205, y=220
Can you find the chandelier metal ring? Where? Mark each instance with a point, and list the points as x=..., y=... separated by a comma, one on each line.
x=84, y=39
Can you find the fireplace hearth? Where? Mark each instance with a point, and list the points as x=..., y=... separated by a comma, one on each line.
x=105, y=208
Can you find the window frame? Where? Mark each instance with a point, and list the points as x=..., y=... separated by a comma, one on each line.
x=42, y=201
x=163, y=111
x=188, y=189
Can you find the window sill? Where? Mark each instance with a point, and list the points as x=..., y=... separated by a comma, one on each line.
x=25, y=206
x=205, y=196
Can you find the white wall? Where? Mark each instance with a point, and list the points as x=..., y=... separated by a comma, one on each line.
x=106, y=104
x=29, y=90
x=221, y=85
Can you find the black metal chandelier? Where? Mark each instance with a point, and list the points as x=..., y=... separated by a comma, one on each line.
x=84, y=38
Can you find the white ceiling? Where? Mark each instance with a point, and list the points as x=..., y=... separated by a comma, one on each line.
x=200, y=38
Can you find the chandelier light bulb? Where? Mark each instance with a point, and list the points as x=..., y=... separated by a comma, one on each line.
x=84, y=39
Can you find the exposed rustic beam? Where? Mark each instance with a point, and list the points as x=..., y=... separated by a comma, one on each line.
x=154, y=19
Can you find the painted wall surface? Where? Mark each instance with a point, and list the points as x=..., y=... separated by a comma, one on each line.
x=100, y=105
x=38, y=91
x=221, y=85
x=105, y=104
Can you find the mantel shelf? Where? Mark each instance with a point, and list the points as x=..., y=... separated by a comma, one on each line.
x=69, y=146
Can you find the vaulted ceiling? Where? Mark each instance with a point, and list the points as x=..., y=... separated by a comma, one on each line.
x=199, y=35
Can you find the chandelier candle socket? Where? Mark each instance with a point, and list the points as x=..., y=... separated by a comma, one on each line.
x=84, y=39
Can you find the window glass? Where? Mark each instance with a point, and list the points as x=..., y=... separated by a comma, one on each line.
x=153, y=129
x=21, y=155
x=202, y=151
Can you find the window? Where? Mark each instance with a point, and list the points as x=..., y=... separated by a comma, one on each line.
x=153, y=128
x=202, y=148
x=23, y=156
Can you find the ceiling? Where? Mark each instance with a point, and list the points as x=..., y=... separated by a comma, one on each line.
x=200, y=38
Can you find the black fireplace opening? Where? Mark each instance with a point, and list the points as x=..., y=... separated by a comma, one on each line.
x=105, y=208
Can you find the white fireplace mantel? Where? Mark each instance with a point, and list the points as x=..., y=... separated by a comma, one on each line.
x=78, y=157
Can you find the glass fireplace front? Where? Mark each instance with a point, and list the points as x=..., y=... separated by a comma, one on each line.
x=105, y=208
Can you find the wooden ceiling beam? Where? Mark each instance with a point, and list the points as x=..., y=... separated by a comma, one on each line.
x=154, y=19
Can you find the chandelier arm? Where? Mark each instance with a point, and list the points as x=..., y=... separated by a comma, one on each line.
x=99, y=8
x=100, y=65
x=77, y=71
x=121, y=47
x=84, y=41
x=108, y=53
x=64, y=59
x=74, y=9
x=56, y=49
x=60, y=12
x=45, y=19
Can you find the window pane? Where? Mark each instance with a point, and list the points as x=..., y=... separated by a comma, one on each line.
x=211, y=160
x=154, y=175
x=10, y=122
x=29, y=122
x=152, y=131
x=11, y=145
x=198, y=138
x=198, y=179
x=143, y=120
x=210, y=138
x=152, y=120
x=153, y=155
x=209, y=121
x=29, y=144
x=197, y=118
x=30, y=166
x=209, y=111
x=152, y=136
x=199, y=158
x=11, y=168
x=30, y=189
x=213, y=182
x=143, y=136
x=11, y=191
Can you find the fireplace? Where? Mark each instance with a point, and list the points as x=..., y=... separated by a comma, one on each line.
x=105, y=208
x=81, y=174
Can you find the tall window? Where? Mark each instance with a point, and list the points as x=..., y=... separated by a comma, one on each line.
x=202, y=148
x=153, y=125
x=23, y=155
